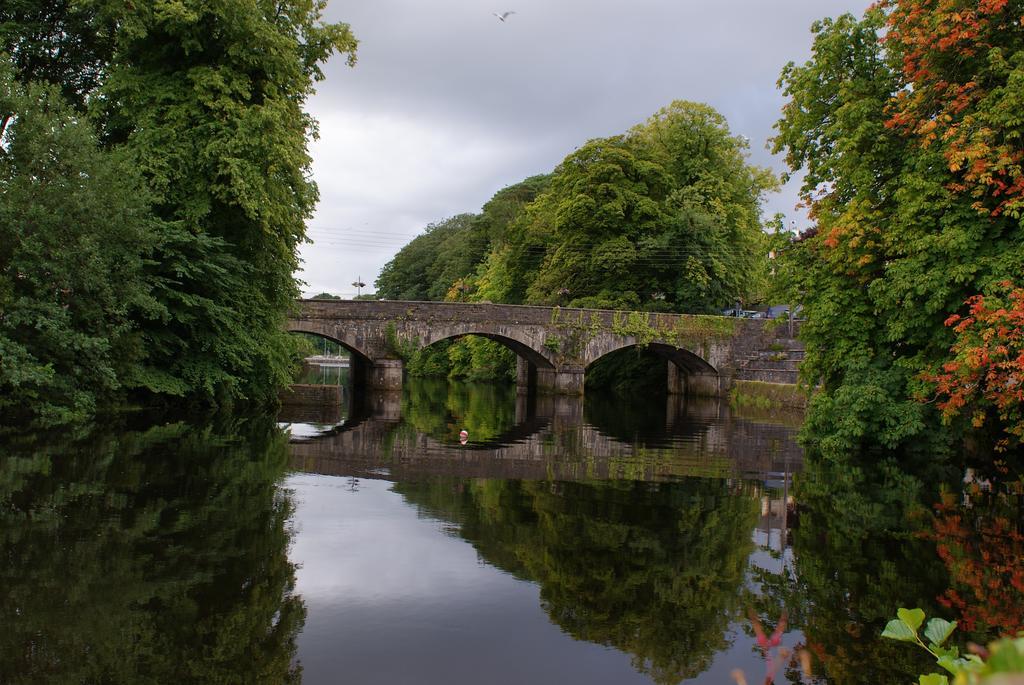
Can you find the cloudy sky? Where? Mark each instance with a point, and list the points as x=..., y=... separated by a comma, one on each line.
x=447, y=104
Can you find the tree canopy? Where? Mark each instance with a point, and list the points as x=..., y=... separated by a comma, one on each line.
x=76, y=235
x=179, y=136
x=438, y=264
x=427, y=267
x=902, y=123
x=61, y=42
x=665, y=216
x=208, y=100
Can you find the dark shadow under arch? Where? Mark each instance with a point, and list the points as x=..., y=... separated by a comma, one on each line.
x=687, y=361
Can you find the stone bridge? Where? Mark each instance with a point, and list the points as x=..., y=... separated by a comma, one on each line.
x=705, y=354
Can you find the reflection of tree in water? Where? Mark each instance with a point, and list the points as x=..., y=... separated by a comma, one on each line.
x=858, y=557
x=625, y=418
x=867, y=542
x=441, y=409
x=652, y=569
x=979, y=538
x=151, y=557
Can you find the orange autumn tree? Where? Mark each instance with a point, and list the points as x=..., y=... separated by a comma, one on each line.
x=986, y=375
x=965, y=61
x=908, y=127
x=964, y=64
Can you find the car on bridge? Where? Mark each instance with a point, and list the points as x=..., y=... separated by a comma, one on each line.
x=743, y=313
x=776, y=311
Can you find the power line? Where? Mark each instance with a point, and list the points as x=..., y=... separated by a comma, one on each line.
x=668, y=256
x=575, y=245
x=345, y=233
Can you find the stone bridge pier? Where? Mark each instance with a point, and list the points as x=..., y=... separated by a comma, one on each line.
x=554, y=346
x=377, y=374
x=566, y=380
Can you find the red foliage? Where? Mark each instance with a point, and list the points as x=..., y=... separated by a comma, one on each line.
x=986, y=373
x=958, y=59
x=983, y=554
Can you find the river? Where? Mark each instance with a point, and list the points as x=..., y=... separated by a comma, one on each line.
x=558, y=541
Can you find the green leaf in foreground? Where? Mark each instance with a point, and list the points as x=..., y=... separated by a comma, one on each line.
x=896, y=629
x=938, y=630
x=1007, y=655
x=912, y=617
x=933, y=679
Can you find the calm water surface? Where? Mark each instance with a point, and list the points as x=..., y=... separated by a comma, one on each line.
x=597, y=542
x=611, y=541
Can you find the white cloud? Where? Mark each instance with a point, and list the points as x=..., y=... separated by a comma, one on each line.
x=383, y=177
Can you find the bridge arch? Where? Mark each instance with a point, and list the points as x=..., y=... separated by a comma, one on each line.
x=335, y=334
x=522, y=348
x=687, y=372
x=686, y=360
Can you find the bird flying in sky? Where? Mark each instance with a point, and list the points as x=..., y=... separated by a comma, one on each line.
x=502, y=16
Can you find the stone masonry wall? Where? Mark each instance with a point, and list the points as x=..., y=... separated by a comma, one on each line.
x=563, y=340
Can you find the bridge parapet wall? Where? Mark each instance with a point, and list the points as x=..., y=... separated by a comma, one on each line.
x=469, y=312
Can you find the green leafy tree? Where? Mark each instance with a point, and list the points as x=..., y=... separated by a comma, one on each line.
x=457, y=255
x=75, y=236
x=717, y=235
x=420, y=269
x=203, y=103
x=208, y=101
x=900, y=241
x=501, y=275
x=665, y=217
x=475, y=358
x=506, y=206
x=445, y=261
x=60, y=42
x=431, y=362
x=603, y=199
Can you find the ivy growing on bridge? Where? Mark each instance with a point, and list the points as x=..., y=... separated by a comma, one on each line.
x=403, y=348
x=645, y=327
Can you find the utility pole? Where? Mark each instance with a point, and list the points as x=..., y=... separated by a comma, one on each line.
x=358, y=285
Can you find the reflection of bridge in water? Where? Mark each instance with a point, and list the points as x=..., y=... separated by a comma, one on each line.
x=550, y=440
x=328, y=360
